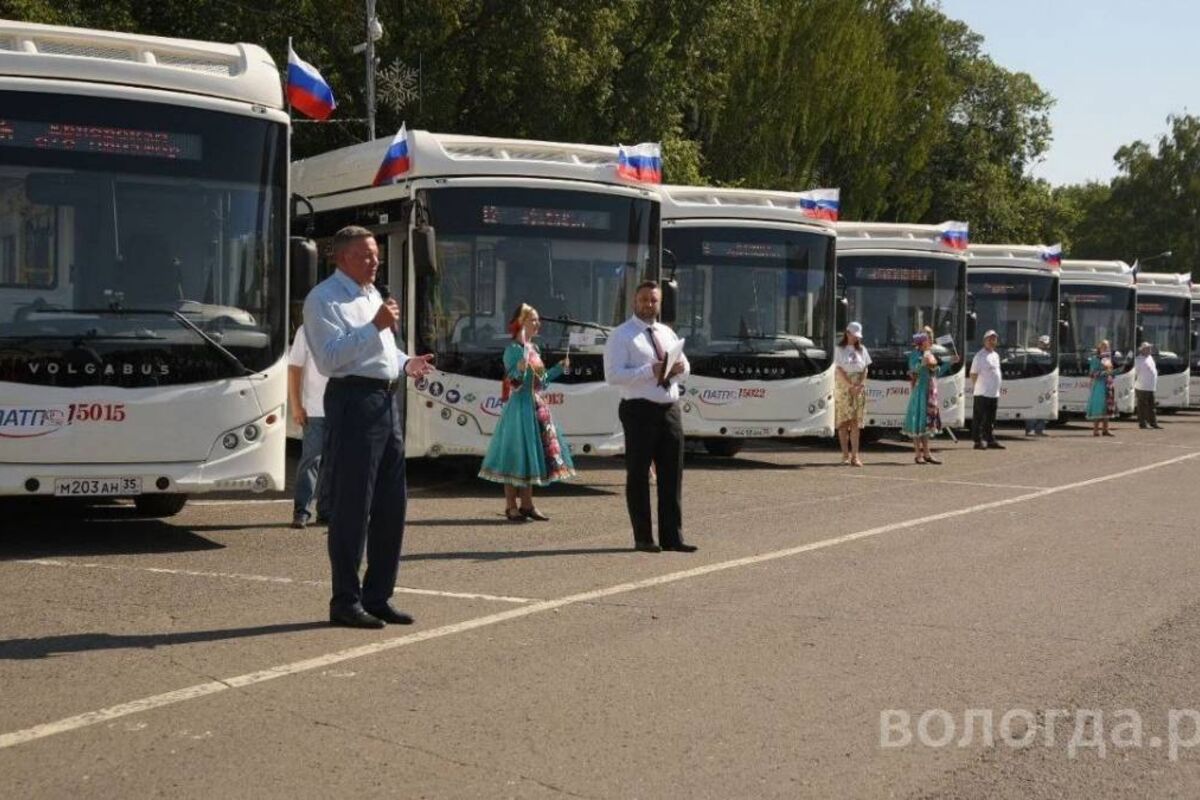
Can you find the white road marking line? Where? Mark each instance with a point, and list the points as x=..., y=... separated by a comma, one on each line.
x=246, y=502
x=45, y=730
x=928, y=480
x=241, y=576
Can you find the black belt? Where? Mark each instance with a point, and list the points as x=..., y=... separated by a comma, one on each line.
x=642, y=401
x=360, y=382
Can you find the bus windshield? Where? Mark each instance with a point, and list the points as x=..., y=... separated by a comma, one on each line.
x=1094, y=313
x=134, y=236
x=1165, y=322
x=896, y=296
x=748, y=290
x=1023, y=311
x=571, y=254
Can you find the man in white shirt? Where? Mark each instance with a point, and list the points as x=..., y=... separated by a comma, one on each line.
x=1145, y=384
x=634, y=362
x=985, y=372
x=306, y=400
x=350, y=328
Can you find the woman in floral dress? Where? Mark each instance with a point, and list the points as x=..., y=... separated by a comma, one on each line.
x=526, y=449
x=923, y=419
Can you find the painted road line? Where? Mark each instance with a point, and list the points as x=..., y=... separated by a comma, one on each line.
x=862, y=476
x=144, y=704
x=241, y=576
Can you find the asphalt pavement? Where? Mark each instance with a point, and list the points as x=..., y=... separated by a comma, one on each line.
x=836, y=624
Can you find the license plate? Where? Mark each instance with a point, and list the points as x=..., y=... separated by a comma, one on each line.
x=97, y=487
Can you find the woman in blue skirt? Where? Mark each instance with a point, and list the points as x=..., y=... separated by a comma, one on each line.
x=526, y=449
x=923, y=420
x=1102, y=402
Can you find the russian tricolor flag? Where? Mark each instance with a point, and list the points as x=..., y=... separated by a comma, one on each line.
x=642, y=162
x=1052, y=255
x=954, y=235
x=396, y=161
x=820, y=203
x=307, y=91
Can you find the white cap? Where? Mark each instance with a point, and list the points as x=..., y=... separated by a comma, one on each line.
x=855, y=328
x=991, y=333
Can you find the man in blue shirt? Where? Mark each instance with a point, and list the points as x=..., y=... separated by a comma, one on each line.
x=350, y=329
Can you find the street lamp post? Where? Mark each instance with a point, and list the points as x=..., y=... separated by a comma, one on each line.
x=374, y=34
x=1143, y=261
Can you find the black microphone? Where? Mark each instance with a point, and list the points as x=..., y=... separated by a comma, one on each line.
x=386, y=293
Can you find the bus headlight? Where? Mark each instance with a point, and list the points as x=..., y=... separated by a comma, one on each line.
x=230, y=440
x=812, y=408
x=250, y=433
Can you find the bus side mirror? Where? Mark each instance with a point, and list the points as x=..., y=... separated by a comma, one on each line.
x=1140, y=330
x=972, y=324
x=1195, y=340
x=669, y=261
x=842, y=312
x=670, y=300
x=1064, y=325
x=302, y=266
x=424, y=244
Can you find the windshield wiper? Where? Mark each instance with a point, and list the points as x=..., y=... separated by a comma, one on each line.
x=216, y=346
x=566, y=321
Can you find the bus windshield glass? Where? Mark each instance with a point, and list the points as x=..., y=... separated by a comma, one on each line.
x=746, y=290
x=571, y=254
x=133, y=237
x=896, y=296
x=1095, y=312
x=1165, y=325
x=1023, y=311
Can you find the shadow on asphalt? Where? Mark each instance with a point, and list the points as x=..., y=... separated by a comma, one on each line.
x=49, y=646
x=48, y=529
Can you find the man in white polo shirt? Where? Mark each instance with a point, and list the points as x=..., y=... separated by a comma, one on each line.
x=1145, y=384
x=985, y=372
x=306, y=400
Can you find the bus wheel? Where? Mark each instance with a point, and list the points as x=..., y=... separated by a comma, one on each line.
x=726, y=448
x=160, y=505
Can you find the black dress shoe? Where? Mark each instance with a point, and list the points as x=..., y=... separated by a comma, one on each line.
x=354, y=617
x=680, y=548
x=647, y=547
x=996, y=446
x=388, y=613
x=300, y=521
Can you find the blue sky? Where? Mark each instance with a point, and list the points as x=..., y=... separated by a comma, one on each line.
x=1115, y=68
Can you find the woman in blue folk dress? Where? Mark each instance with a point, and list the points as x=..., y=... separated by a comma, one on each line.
x=1102, y=402
x=923, y=420
x=526, y=449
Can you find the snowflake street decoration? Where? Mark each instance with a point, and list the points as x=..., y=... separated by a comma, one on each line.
x=397, y=85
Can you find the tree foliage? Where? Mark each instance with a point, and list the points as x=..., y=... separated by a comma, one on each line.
x=890, y=100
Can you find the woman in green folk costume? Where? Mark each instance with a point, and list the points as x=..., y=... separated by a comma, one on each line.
x=526, y=449
x=923, y=419
x=1102, y=402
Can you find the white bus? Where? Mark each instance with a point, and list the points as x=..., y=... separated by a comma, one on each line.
x=143, y=252
x=755, y=303
x=1194, y=382
x=542, y=223
x=896, y=279
x=1164, y=319
x=1014, y=292
x=1099, y=301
